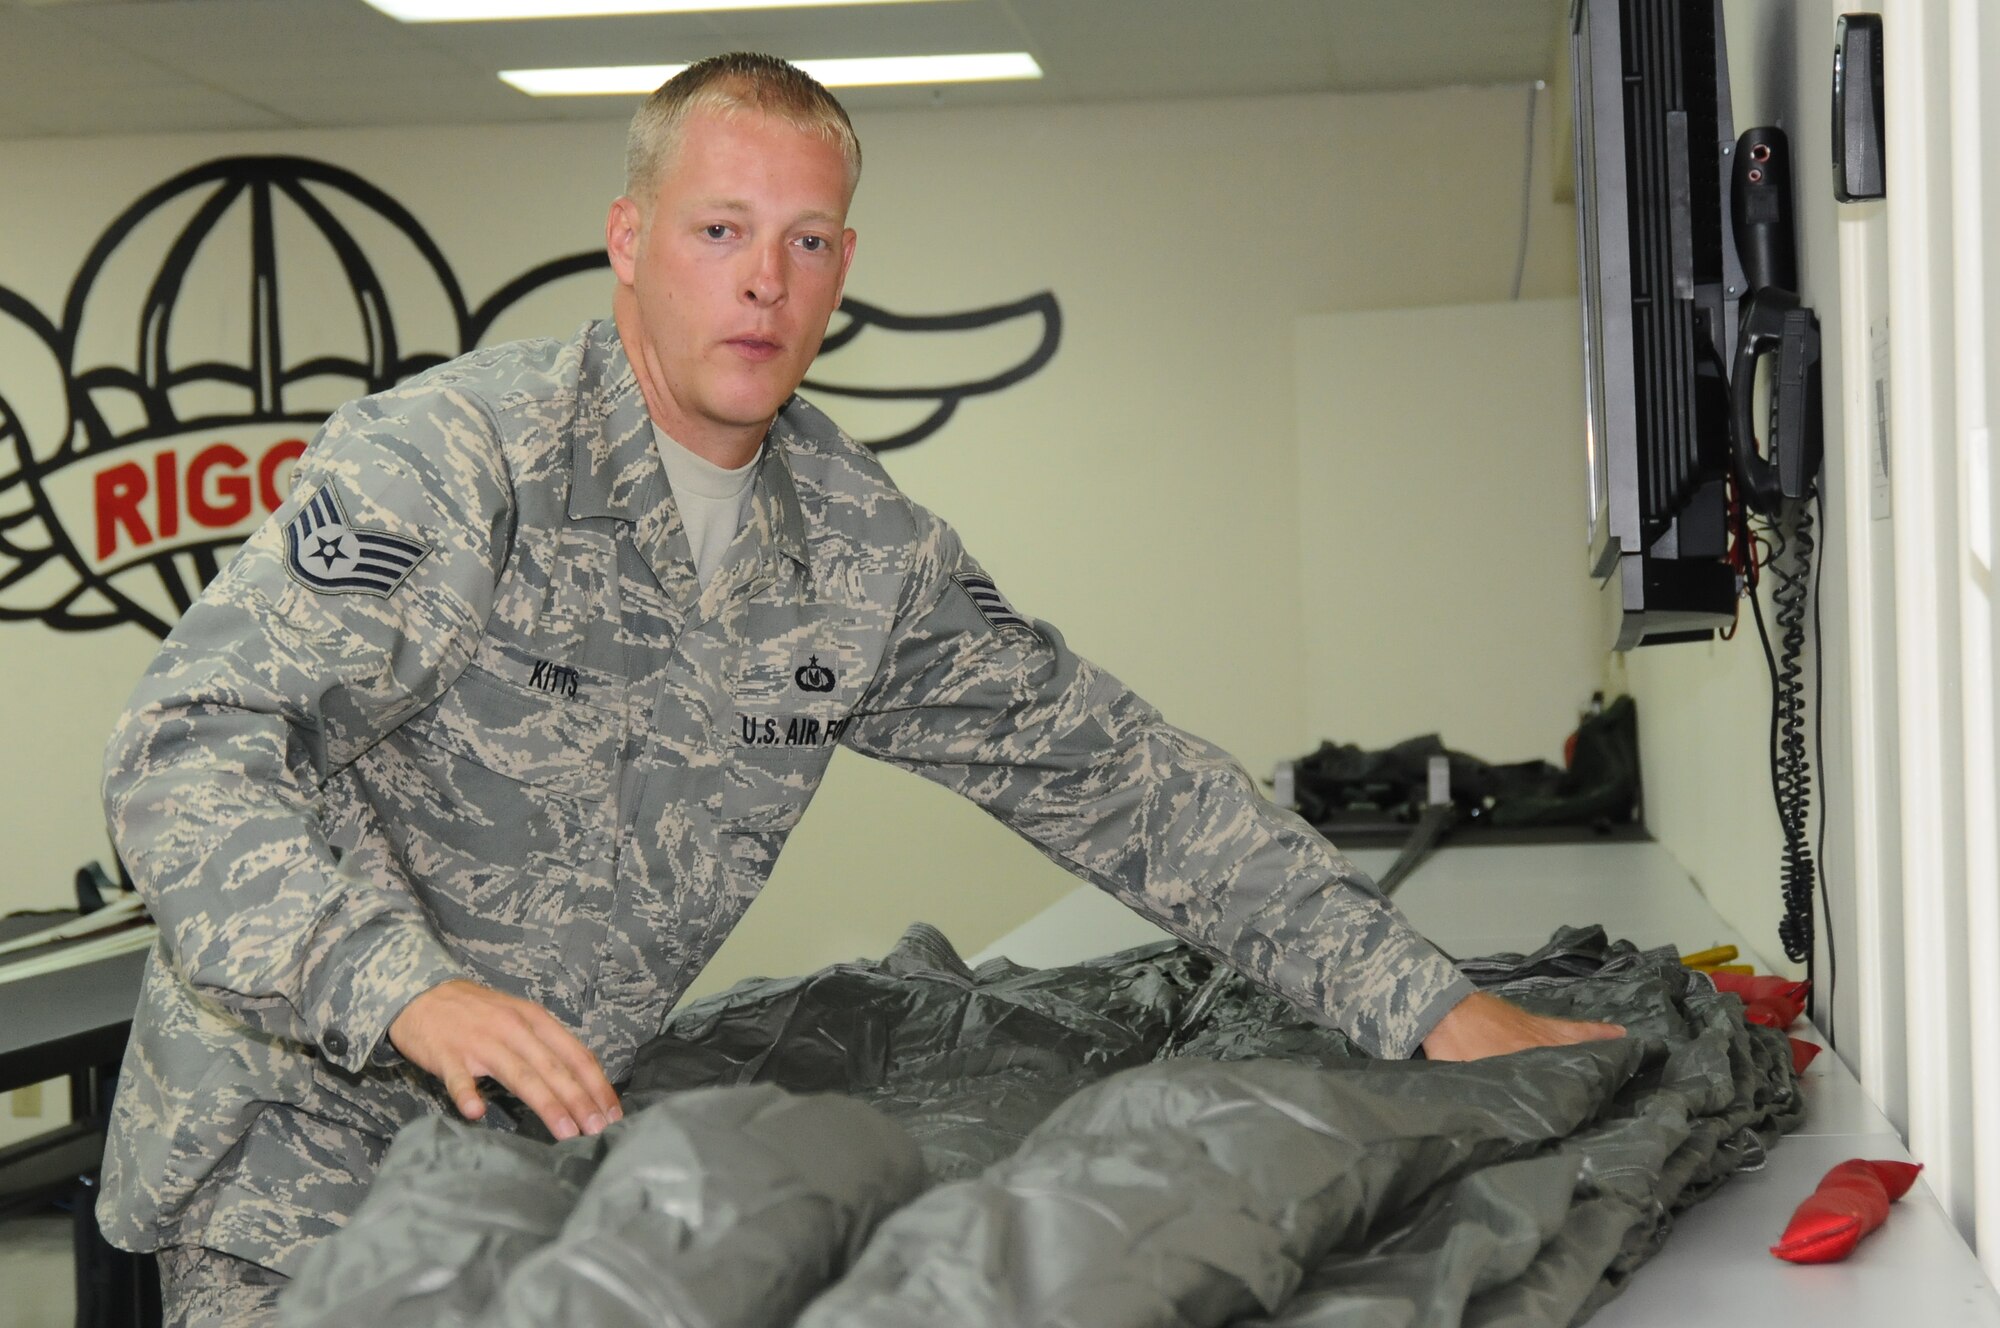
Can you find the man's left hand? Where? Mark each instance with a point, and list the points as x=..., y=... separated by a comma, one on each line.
x=1484, y=1025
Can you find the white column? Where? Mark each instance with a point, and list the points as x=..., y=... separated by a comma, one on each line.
x=1873, y=1043
x=1927, y=553
x=1972, y=236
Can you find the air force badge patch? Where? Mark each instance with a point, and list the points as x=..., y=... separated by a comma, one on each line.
x=992, y=605
x=324, y=553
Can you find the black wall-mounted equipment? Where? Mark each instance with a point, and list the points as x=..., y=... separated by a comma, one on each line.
x=1660, y=281
x=1858, y=170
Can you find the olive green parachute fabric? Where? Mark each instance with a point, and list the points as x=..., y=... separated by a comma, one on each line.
x=1136, y=1140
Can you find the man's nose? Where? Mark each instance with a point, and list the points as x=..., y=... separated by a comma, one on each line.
x=764, y=282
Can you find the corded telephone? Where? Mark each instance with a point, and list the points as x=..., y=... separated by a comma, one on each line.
x=1779, y=482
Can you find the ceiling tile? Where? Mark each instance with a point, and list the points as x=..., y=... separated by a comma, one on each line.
x=226, y=39
x=965, y=26
x=154, y=110
x=1386, y=43
x=971, y=25
x=557, y=43
x=40, y=53
x=454, y=98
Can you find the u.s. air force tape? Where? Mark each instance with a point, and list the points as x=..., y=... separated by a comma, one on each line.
x=324, y=553
x=992, y=605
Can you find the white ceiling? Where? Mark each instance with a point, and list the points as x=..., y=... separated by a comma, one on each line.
x=160, y=66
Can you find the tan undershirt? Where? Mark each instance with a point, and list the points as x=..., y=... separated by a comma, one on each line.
x=711, y=501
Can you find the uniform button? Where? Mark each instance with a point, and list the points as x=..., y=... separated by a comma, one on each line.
x=335, y=1043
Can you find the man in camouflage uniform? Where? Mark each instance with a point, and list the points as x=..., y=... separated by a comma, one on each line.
x=463, y=768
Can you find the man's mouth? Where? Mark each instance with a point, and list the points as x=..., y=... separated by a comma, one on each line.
x=754, y=348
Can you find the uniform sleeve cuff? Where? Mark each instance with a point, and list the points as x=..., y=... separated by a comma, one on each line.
x=366, y=979
x=1396, y=992
x=1430, y=1016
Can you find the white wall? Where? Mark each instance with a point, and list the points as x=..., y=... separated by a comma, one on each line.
x=1449, y=436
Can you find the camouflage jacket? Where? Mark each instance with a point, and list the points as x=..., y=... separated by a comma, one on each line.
x=460, y=708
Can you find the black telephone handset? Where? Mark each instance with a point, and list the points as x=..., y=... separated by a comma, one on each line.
x=1772, y=320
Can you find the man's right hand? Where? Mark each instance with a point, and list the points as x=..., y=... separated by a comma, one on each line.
x=462, y=1032
x=1484, y=1025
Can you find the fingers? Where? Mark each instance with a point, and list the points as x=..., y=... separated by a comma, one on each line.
x=464, y=1092
x=583, y=1069
x=1484, y=1025
x=555, y=1075
x=1559, y=1031
x=570, y=1072
x=524, y=1078
x=1570, y=1031
x=462, y=1031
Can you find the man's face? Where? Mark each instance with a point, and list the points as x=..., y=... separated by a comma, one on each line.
x=726, y=288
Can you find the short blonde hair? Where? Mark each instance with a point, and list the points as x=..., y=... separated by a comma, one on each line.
x=731, y=84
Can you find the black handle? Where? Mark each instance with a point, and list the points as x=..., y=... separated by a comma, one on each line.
x=1775, y=322
x=1760, y=209
x=1858, y=149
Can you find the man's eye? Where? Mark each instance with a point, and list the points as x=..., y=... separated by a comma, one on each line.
x=715, y=230
x=813, y=243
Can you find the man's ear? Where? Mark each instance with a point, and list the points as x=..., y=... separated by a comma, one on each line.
x=621, y=238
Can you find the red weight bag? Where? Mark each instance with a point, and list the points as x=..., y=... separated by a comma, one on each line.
x=1850, y=1202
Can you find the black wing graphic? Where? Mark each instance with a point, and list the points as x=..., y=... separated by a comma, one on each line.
x=973, y=364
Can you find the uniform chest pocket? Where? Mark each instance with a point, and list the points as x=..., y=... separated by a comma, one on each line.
x=497, y=800
x=798, y=662
x=795, y=675
x=545, y=738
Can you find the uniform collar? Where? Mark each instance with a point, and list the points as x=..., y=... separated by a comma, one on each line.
x=614, y=470
x=774, y=495
x=617, y=472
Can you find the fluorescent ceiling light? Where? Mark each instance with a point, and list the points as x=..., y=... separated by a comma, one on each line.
x=872, y=72
x=464, y=11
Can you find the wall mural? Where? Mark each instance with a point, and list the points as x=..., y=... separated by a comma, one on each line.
x=135, y=456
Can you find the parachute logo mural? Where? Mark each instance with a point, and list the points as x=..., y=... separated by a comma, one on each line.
x=152, y=426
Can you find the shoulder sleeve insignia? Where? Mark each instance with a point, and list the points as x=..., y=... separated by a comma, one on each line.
x=325, y=554
x=992, y=605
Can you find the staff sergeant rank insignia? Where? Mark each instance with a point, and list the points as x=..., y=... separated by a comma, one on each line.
x=992, y=605
x=324, y=553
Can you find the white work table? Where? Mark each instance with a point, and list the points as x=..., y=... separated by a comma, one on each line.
x=1716, y=1267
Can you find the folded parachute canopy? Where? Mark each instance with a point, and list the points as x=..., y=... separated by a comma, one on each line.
x=1122, y=1143
x=1851, y=1201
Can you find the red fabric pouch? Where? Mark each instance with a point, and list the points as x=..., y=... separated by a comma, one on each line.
x=1851, y=1201
x=1769, y=1000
